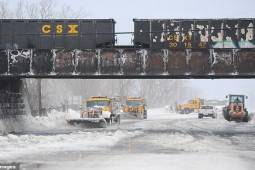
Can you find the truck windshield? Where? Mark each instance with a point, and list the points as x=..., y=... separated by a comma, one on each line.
x=191, y=101
x=134, y=102
x=236, y=99
x=207, y=107
x=97, y=103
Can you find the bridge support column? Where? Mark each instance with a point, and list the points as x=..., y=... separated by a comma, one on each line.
x=13, y=98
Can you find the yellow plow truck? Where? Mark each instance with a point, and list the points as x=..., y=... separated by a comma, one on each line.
x=135, y=107
x=191, y=106
x=99, y=110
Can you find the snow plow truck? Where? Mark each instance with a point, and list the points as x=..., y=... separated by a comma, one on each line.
x=100, y=111
x=235, y=110
x=135, y=107
x=191, y=106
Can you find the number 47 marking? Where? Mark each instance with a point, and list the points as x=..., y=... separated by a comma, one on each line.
x=202, y=45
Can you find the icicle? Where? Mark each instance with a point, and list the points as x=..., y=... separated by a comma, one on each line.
x=121, y=60
x=77, y=57
x=8, y=59
x=188, y=57
x=165, y=60
x=234, y=54
x=144, y=56
x=31, y=72
x=213, y=60
x=98, y=52
x=54, y=61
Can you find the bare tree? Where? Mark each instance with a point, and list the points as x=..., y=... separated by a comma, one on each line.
x=19, y=13
x=66, y=12
x=5, y=13
x=46, y=9
x=32, y=10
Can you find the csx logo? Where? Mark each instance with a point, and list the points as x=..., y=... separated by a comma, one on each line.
x=59, y=29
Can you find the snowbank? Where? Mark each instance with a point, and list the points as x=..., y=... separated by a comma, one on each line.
x=55, y=120
x=14, y=147
x=72, y=115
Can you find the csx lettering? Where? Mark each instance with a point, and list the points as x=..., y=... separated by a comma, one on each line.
x=59, y=29
x=173, y=37
x=189, y=37
x=46, y=30
x=73, y=29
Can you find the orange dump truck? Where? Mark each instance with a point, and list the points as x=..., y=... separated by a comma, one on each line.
x=100, y=110
x=135, y=107
x=191, y=106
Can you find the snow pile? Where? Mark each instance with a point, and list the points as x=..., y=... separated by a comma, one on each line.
x=161, y=114
x=72, y=115
x=54, y=120
x=252, y=120
x=162, y=119
x=189, y=143
x=15, y=147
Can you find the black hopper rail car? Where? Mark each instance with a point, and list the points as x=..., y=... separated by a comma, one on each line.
x=194, y=33
x=57, y=34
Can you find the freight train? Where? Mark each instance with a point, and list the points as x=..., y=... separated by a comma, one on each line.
x=148, y=33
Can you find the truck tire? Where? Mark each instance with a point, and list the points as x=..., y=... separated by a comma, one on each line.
x=108, y=121
x=145, y=114
x=214, y=116
x=186, y=111
x=102, y=124
x=119, y=119
x=246, y=117
x=225, y=114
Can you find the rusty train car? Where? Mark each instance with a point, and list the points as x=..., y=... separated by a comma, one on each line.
x=194, y=33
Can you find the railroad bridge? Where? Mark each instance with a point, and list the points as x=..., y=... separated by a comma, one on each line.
x=211, y=49
x=127, y=63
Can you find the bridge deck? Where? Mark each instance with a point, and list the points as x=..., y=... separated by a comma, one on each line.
x=128, y=63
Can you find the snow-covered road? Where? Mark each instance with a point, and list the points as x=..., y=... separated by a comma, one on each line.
x=163, y=141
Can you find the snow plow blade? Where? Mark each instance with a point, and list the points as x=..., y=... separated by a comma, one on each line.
x=90, y=122
x=130, y=115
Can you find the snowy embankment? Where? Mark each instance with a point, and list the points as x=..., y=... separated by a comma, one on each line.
x=17, y=147
x=14, y=147
x=55, y=120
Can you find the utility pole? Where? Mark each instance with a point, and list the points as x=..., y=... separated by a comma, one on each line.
x=39, y=87
x=121, y=90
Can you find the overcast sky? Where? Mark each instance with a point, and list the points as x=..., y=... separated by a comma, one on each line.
x=123, y=11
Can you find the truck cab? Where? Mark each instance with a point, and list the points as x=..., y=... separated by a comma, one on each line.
x=191, y=106
x=135, y=106
x=102, y=107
